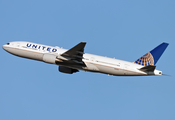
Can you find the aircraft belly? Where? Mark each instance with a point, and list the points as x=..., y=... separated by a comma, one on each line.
x=110, y=70
x=90, y=67
x=118, y=71
x=132, y=73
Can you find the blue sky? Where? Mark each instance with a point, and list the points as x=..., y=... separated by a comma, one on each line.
x=32, y=90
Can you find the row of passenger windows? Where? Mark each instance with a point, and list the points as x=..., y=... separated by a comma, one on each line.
x=109, y=63
x=105, y=62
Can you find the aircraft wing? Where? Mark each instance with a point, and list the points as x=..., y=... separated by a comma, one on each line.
x=75, y=54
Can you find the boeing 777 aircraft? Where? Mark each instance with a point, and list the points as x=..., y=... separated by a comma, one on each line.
x=74, y=59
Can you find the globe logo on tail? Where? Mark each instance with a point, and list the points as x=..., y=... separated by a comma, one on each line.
x=146, y=60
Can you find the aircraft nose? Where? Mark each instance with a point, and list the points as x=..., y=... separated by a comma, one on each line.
x=5, y=47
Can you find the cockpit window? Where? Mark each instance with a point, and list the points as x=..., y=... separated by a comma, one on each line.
x=8, y=43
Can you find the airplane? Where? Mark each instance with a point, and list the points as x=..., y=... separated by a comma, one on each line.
x=72, y=60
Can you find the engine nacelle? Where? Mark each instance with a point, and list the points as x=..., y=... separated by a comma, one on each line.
x=49, y=58
x=67, y=70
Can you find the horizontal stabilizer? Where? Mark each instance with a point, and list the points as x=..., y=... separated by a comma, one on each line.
x=149, y=68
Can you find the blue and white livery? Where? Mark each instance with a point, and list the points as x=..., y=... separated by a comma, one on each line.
x=74, y=59
x=153, y=56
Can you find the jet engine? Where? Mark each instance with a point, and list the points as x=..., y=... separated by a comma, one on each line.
x=67, y=70
x=49, y=58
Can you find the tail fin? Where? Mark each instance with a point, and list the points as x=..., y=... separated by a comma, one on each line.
x=153, y=56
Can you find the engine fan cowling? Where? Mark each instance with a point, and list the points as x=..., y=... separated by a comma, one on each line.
x=49, y=58
x=67, y=70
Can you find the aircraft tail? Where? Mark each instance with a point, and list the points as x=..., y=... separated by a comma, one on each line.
x=153, y=56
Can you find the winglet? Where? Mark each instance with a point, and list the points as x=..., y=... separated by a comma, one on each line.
x=153, y=56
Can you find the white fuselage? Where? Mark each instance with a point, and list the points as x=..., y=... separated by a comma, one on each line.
x=93, y=63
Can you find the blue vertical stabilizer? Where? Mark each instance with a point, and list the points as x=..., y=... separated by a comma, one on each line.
x=153, y=56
